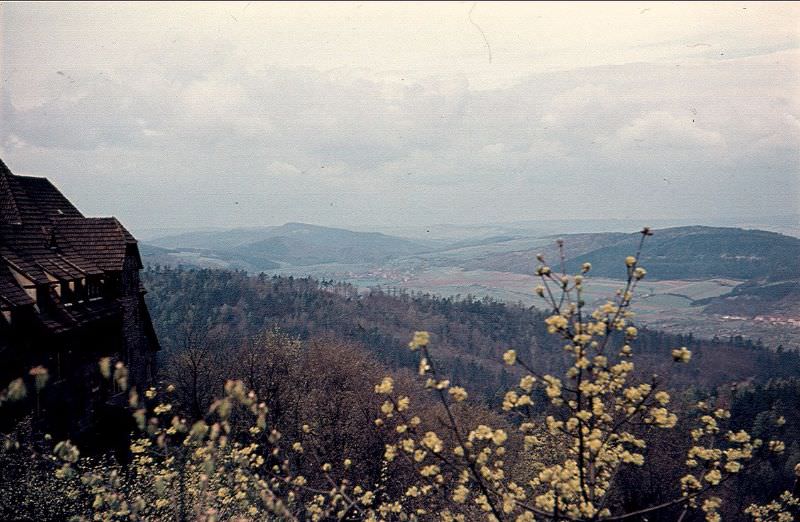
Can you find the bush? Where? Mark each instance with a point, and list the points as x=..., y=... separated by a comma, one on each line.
x=292, y=436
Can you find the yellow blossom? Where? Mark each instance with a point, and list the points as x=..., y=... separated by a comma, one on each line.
x=105, y=367
x=777, y=446
x=367, y=498
x=713, y=477
x=681, y=355
x=432, y=442
x=499, y=437
x=429, y=470
x=403, y=403
x=460, y=494
x=419, y=340
x=385, y=387
x=423, y=366
x=662, y=397
x=733, y=467
x=458, y=393
x=526, y=383
x=390, y=453
x=555, y=323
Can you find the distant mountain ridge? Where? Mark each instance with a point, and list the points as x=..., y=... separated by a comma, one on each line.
x=296, y=244
x=695, y=252
x=702, y=252
x=692, y=252
x=761, y=268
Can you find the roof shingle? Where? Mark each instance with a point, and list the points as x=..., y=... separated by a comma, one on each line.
x=44, y=238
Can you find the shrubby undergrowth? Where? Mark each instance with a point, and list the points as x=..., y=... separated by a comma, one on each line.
x=276, y=428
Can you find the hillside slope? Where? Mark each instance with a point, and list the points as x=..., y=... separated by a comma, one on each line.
x=296, y=244
x=701, y=253
x=758, y=298
x=673, y=253
x=694, y=252
x=470, y=336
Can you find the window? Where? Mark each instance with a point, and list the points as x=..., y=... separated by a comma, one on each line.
x=94, y=288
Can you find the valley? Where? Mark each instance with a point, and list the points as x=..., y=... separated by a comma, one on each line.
x=707, y=281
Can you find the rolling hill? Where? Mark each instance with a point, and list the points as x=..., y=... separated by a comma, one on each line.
x=674, y=253
x=695, y=252
x=470, y=335
x=757, y=298
x=296, y=244
x=751, y=273
x=704, y=252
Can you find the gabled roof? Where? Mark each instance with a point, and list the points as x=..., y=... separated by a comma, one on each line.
x=31, y=201
x=44, y=241
x=102, y=241
x=33, y=251
x=45, y=238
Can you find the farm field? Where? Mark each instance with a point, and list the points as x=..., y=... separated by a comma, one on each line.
x=666, y=305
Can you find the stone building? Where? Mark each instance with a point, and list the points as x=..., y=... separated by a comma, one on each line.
x=69, y=295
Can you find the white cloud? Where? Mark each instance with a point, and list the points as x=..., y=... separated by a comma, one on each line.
x=664, y=132
x=282, y=168
x=179, y=111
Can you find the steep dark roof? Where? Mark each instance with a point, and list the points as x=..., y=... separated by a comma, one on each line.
x=11, y=295
x=102, y=241
x=68, y=285
x=35, y=251
x=31, y=201
x=45, y=239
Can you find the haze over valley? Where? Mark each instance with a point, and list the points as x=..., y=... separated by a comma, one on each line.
x=709, y=281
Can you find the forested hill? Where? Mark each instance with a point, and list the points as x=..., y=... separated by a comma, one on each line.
x=469, y=335
x=297, y=244
x=704, y=252
x=695, y=252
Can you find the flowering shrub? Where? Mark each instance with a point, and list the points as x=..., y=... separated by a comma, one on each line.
x=599, y=412
x=561, y=460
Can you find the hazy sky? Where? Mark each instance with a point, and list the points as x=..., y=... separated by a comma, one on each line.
x=356, y=114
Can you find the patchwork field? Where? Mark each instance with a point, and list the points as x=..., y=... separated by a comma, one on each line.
x=659, y=304
x=689, y=268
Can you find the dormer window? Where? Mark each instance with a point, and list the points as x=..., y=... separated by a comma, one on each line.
x=42, y=296
x=66, y=290
x=94, y=288
x=80, y=290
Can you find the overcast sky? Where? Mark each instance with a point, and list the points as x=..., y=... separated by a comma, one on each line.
x=358, y=114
